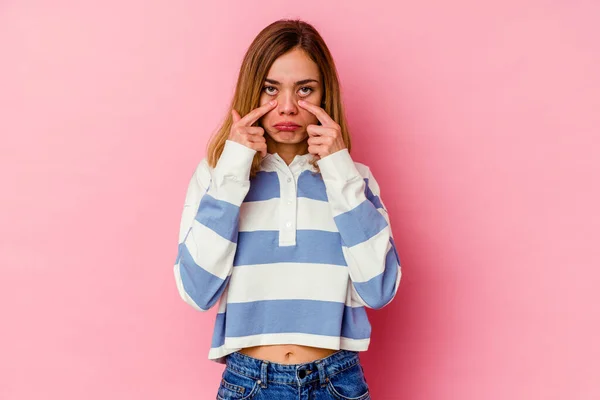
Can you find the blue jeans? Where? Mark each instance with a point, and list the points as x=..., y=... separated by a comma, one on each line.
x=339, y=376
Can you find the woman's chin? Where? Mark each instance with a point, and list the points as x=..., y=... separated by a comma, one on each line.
x=288, y=137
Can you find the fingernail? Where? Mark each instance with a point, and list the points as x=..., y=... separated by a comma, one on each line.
x=272, y=102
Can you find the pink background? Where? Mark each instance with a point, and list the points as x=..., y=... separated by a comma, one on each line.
x=479, y=118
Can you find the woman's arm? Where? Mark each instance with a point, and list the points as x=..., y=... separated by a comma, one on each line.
x=209, y=226
x=363, y=222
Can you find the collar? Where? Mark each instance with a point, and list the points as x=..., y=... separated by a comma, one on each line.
x=300, y=160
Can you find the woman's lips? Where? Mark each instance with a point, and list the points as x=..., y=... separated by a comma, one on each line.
x=287, y=127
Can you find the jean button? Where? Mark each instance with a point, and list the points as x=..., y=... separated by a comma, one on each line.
x=302, y=374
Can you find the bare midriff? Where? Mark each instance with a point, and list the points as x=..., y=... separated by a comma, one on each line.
x=287, y=353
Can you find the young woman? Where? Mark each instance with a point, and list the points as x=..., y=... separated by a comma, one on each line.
x=285, y=231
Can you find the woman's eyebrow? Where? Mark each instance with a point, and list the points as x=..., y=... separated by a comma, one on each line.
x=302, y=82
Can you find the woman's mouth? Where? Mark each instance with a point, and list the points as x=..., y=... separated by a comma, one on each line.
x=286, y=126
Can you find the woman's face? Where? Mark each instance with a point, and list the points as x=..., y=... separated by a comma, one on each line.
x=292, y=77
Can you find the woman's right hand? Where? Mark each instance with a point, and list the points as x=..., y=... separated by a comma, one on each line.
x=250, y=136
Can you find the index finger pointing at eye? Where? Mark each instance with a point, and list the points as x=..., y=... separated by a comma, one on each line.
x=255, y=114
x=318, y=112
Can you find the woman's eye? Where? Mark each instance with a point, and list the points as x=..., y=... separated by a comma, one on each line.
x=309, y=88
x=266, y=89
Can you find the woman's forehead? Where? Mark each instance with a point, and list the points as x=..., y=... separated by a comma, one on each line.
x=292, y=67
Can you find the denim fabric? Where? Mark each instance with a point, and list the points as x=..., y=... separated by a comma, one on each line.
x=339, y=376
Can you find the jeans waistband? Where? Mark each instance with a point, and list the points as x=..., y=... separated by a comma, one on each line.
x=300, y=374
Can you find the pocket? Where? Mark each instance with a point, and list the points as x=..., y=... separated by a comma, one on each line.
x=349, y=384
x=235, y=386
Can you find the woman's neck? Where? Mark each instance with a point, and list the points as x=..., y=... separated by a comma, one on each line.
x=287, y=151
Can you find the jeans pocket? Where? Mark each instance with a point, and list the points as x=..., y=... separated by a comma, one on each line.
x=235, y=386
x=349, y=384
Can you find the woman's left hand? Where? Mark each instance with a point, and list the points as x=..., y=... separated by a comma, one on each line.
x=324, y=139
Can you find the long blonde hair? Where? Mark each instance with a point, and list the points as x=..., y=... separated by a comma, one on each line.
x=272, y=42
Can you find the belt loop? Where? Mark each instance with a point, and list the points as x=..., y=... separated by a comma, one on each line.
x=263, y=373
x=322, y=374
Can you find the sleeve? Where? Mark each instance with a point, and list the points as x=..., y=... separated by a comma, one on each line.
x=209, y=226
x=364, y=226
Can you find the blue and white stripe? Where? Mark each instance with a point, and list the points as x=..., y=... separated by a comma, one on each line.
x=315, y=291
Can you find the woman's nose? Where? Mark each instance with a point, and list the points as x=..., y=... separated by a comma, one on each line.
x=287, y=103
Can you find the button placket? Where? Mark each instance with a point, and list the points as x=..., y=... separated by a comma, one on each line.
x=287, y=232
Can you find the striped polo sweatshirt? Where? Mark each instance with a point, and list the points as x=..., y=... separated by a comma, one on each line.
x=291, y=256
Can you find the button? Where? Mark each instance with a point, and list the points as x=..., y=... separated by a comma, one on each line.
x=288, y=224
x=289, y=202
x=302, y=374
x=289, y=179
x=235, y=178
